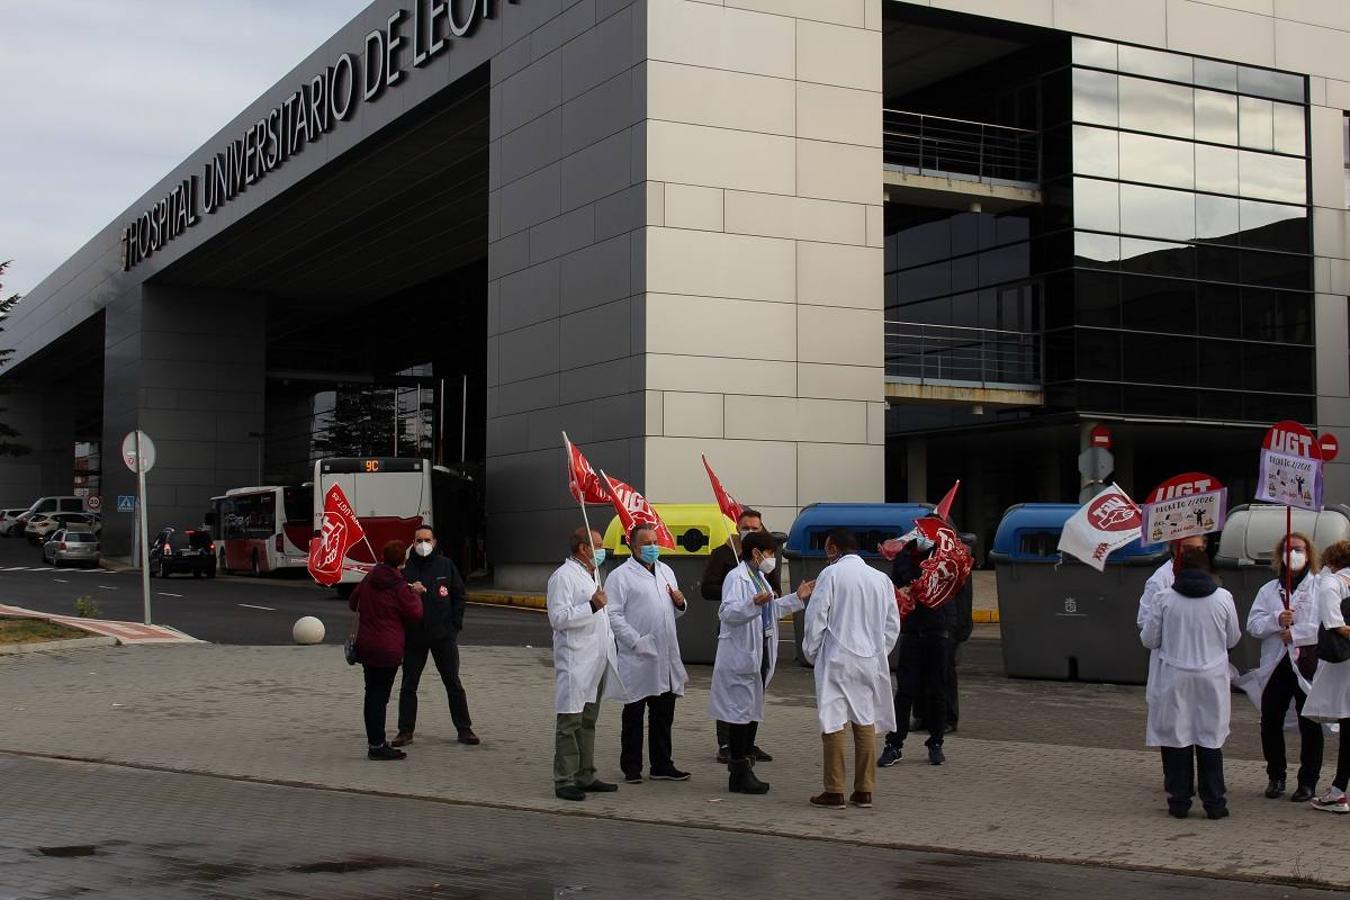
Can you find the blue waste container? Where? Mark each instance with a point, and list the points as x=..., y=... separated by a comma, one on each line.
x=873, y=523
x=1061, y=619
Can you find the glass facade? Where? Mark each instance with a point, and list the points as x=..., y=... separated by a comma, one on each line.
x=1185, y=184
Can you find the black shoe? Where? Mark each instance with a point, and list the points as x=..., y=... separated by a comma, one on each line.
x=1275, y=788
x=1304, y=793
x=742, y=779
x=759, y=755
x=1220, y=813
x=599, y=787
x=632, y=778
x=569, y=792
x=724, y=755
x=669, y=773
x=889, y=756
x=1178, y=812
x=935, y=755
x=384, y=752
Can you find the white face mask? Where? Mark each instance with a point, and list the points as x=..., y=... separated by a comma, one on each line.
x=423, y=549
x=745, y=531
x=768, y=564
x=1298, y=560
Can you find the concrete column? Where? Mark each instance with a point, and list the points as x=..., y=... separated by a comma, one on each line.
x=1331, y=269
x=24, y=478
x=916, y=469
x=187, y=367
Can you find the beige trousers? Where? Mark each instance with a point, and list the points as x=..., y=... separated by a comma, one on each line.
x=864, y=759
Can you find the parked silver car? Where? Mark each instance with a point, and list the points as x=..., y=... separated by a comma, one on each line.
x=72, y=546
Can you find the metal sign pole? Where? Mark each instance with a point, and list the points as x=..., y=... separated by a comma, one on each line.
x=143, y=528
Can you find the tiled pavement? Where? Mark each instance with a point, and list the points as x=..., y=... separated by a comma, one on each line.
x=1039, y=772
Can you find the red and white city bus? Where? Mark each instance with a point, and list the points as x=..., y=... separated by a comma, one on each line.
x=392, y=498
x=263, y=529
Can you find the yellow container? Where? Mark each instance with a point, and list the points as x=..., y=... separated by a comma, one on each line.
x=698, y=529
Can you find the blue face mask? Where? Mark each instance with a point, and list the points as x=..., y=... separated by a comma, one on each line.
x=598, y=556
x=650, y=553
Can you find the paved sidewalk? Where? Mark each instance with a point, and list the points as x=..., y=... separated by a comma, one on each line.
x=123, y=632
x=292, y=714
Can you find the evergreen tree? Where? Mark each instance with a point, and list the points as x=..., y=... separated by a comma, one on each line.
x=8, y=447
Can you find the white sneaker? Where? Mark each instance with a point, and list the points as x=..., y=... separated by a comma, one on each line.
x=1332, y=801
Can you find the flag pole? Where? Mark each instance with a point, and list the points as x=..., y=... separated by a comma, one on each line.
x=585, y=518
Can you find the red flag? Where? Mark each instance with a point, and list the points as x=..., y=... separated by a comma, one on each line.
x=730, y=508
x=633, y=509
x=339, y=530
x=582, y=481
x=944, y=507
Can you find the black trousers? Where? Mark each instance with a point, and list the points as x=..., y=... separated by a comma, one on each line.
x=445, y=653
x=741, y=739
x=921, y=684
x=379, y=685
x=1342, y=779
x=1180, y=765
x=660, y=717
x=1280, y=689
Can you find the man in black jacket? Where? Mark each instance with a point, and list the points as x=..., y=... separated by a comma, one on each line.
x=721, y=561
x=435, y=579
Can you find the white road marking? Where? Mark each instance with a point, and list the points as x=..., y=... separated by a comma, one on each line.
x=107, y=587
x=251, y=606
x=61, y=580
x=167, y=594
x=42, y=569
x=15, y=569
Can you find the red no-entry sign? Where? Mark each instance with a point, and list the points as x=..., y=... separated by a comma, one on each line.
x=1100, y=436
x=1329, y=446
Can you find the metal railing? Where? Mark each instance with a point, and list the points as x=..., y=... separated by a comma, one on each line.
x=965, y=357
x=977, y=150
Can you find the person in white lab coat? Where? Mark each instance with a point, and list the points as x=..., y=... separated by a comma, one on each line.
x=584, y=665
x=644, y=602
x=1163, y=576
x=1286, y=626
x=747, y=651
x=1192, y=625
x=1329, y=696
x=852, y=622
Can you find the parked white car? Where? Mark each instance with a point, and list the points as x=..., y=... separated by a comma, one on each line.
x=8, y=519
x=40, y=526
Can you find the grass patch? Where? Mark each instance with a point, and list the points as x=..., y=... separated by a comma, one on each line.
x=35, y=631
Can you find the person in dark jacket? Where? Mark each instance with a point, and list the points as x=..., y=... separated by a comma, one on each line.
x=384, y=604
x=435, y=579
x=927, y=637
x=965, y=627
x=721, y=561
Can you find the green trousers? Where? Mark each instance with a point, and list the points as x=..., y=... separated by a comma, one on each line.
x=574, y=747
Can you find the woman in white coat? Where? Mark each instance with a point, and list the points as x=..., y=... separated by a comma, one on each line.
x=1192, y=625
x=644, y=602
x=1329, y=697
x=1286, y=625
x=747, y=651
x=584, y=665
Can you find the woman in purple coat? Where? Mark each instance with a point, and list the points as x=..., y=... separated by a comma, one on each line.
x=383, y=602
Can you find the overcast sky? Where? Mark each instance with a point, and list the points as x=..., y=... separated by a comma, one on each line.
x=99, y=99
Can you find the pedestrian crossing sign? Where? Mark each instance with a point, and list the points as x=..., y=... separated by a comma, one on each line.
x=126, y=502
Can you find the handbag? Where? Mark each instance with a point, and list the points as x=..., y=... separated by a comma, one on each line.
x=349, y=647
x=1333, y=646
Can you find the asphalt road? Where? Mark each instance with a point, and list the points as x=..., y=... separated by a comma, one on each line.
x=226, y=609
x=198, y=836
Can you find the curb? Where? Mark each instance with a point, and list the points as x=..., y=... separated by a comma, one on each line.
x=72, y=644
x=508, y=598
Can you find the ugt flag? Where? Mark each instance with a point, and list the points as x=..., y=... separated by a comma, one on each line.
x=1105, y=523
x=730, y=508
x=633, y=509
x=338, y=531
x=582, y=481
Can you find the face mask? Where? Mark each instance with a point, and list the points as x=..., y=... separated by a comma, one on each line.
x=768, y=564
x=923, y=543
x=1298, y=560
x=423, y=548
x=745, y=531
x=598, y=556
x=650, y=553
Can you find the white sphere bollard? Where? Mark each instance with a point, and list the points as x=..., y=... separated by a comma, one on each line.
x=308, y=630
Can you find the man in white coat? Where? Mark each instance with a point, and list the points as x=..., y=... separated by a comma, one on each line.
x=852, y=622
x=747, y=650
x=584, y=665
x=644, y=602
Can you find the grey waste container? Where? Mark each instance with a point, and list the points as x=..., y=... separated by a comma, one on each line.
x=698, y=529
x=873, y=523
x=1063, y=619
x=1248, y=542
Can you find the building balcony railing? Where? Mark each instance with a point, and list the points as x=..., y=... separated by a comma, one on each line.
x=957, y=356
x=933, y=145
